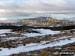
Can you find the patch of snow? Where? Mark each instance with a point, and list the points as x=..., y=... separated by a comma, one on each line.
x=46, y=31
x=43, y=42
x=2, y=35
x=32, y=34
x=64, y=37
x=4, y=31
x=41, y=32
x=12, y=38
x=32, y=44
x=35, y=44
x=6, y=51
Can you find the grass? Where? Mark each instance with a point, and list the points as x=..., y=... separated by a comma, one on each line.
x=43, y=52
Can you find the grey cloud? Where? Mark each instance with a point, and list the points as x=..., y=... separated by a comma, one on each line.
x=21, y=8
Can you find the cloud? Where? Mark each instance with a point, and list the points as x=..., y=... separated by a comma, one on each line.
x=36, y=6
x=54, y=2
x=6, y=20
x=3, y=19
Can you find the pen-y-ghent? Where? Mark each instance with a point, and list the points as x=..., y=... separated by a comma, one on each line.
x=37, y=28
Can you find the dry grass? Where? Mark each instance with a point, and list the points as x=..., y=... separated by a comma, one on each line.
x=43, y=52
x=47, y=51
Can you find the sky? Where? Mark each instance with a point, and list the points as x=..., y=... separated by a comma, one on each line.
x=21, y=7
x=24, y=7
